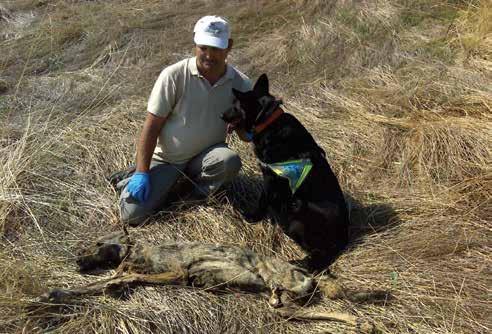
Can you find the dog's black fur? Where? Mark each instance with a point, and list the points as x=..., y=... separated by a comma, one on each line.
x=315, y=217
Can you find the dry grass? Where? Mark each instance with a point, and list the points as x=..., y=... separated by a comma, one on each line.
x=397, y=92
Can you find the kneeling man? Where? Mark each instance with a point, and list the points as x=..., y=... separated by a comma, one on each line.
x=183, y=133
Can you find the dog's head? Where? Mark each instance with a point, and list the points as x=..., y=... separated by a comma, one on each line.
x=249, y=107
x=107, y=252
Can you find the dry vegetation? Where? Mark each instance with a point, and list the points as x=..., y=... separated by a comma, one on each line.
x=397, y=92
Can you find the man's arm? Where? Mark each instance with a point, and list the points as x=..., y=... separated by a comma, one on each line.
x=148, y=140
x=161, y=103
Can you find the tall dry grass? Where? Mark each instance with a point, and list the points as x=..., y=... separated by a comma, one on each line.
x=396, y=92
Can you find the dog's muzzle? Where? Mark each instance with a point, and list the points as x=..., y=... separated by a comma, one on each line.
x=232, y=126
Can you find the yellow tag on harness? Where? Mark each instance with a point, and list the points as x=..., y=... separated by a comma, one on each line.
x=295, y=171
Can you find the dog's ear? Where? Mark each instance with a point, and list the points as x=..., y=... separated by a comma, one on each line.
x=261, y=86
x=238, y=94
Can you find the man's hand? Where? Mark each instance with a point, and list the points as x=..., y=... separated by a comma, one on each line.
x=139, y=186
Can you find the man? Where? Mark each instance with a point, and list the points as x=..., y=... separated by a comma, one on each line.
x=183, y=133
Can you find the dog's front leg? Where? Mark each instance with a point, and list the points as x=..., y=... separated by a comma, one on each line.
x=61, y=296
x=328, y=211
x=259, y=212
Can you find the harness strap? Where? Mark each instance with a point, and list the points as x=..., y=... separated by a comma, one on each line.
x=271, y=111
x=262, y=126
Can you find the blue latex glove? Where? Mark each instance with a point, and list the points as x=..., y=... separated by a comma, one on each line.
x=139, y=186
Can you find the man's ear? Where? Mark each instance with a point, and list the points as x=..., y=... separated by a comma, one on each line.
x=261, y=86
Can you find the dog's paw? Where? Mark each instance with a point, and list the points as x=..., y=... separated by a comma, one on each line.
x=120, y=291
x=251, y=217
x=296, y=205
x=55, y=296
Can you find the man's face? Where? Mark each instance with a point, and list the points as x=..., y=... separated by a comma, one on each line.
x=211, y=59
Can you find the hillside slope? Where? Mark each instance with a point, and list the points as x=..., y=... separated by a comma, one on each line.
x=398, y=93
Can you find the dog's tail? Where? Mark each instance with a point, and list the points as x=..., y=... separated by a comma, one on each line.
x=333, y=290
x=374, y=296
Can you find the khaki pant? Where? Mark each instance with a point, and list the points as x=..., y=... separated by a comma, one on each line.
x=208, y=170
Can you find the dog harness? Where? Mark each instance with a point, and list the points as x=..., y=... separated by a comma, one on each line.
x=295, y=171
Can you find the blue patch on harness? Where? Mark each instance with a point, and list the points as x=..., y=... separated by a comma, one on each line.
x=295, y=171
x=249, y=136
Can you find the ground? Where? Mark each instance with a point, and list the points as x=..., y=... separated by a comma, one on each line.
x=398, y=93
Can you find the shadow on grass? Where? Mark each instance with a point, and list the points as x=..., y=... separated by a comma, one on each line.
x=365, y=219
x=369, y=219
x=243, y=195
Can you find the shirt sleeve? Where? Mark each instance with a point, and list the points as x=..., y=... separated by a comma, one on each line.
x=241, y=82
x=247, y=85
x=163, y=96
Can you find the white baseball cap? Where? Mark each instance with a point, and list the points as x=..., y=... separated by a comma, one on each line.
x=212, y=31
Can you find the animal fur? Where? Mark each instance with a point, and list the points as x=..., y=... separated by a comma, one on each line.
x=214, y=267
x=315, y=216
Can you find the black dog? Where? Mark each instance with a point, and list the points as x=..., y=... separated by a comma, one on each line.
x=301, y=193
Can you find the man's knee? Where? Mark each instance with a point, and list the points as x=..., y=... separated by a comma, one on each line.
x=133, y=219
x=222, y=162
x=131, y=212
x=232, y=165
x=163, y=176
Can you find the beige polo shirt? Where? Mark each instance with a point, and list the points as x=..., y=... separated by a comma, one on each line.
x=193, y=108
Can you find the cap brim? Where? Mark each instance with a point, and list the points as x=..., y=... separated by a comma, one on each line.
x=204, y=39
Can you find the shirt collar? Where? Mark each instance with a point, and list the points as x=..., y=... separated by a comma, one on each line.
x=192, y=66
x=229, y=75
